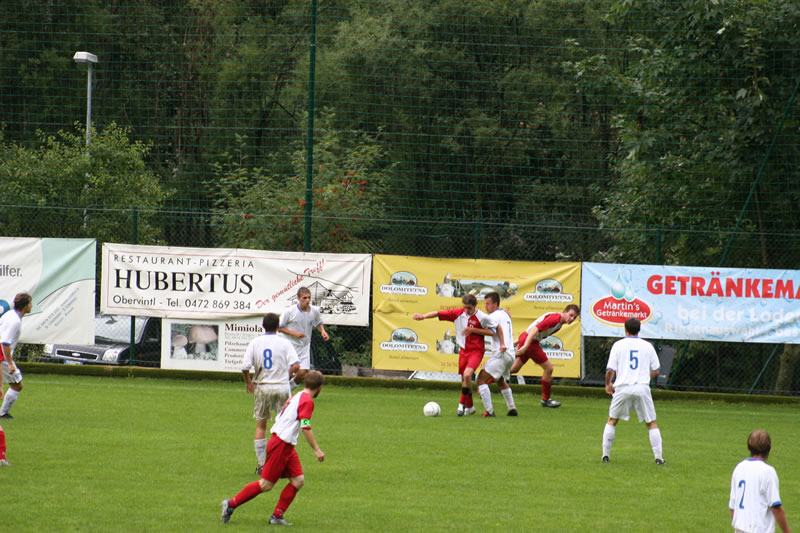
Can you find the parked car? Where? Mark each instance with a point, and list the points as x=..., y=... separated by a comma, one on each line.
x=112, y=344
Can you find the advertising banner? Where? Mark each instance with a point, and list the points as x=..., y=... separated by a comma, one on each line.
x=692, y=303
x=405, y=285
x=215, y=345
x=60, y=276
x=220, y=283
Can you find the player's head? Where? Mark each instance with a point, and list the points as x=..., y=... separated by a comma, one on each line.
x=470, y=303
x=759, y=443
x=633, y=326
x=22, y=301
x=271, y=322
x=570, y=313
x=303, y=297
x=314, y=381
x=492, y=301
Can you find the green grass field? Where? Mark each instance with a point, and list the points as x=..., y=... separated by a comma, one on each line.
x=111, y=454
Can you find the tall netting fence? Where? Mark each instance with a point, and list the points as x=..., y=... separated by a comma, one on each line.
x=648, y=132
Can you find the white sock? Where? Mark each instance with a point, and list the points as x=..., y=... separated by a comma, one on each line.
x=8, y=401
x=655, y=442
x=509, y=398
x=486, y=397
x=261, y=450
x=609, y=432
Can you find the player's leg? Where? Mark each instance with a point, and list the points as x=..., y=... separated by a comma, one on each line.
x=505, y=388
x=647, y=413
x=547, y=379
x=3, y=460
x=294, y=471
x=609, y=433
x=277, y=452
x=304, y=356
x=473, y=362
x=14, y=381
x=483, y=390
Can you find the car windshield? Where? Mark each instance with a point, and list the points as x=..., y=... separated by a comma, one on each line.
x=117, y=328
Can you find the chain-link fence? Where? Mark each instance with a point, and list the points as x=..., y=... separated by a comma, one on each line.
x=656, y=132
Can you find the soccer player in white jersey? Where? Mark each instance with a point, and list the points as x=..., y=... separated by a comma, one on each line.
x=273, y=360
x=296, y=325
x=499, y=364
x=282, y=459
x=10, y=327
x=632, y=363
x=755, y=501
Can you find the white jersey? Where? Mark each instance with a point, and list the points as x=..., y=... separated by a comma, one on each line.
x=295, y=413
x=270, y=357
x=632, y=359
x=296, y=319
x=503, y=321
x=10, y=326
x=754, y=492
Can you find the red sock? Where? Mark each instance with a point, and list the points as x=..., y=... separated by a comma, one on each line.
x=287, y=496
x=547, y=387
x=468, y=401
x=462, y=399
x=250, y=491
x=2, y=444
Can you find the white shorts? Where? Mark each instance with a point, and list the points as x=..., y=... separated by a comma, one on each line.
x=16, y=377
x=636, y=396
x=499, y=365
x=304, y=355
x=268, y=398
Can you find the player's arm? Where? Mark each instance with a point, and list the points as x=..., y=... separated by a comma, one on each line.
x=486, y=332
x=654, y=373
x=610, y=375
x=7, y=354
x=248, y=383
x=308, y=434
x=780, y=518
x=292, y=333
x=527, y=344
x=321, y=329
x=430, y=314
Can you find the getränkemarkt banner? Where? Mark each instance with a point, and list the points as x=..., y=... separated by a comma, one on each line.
x=405, y=285
x=693, y=303
x=221, y=283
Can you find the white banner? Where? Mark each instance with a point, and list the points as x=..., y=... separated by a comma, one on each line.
x=60, y=276
x=220, y=283
x=217, y=345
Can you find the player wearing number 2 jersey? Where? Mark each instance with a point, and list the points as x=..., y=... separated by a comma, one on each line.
x=633, y=362
x=272, y=360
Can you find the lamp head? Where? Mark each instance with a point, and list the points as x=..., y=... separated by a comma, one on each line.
x=84, y=57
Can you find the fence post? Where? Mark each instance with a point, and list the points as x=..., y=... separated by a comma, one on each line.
x=310, y=137
x=135, y=240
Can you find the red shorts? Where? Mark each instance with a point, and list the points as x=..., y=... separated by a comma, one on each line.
x=534, y=351
x=469, y=360
x=282, y=461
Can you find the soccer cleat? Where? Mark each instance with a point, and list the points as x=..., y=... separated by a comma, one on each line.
x=226, y=512
x=659, y=461
x=550, y=403
x=460, y=411
x=605, y=459
x=487, y=414
x=4, y=462
x=7, y=416
x=470, y=411
x=278, y=521
x=512, y=412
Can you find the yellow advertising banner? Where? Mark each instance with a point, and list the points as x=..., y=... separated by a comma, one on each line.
x=404, y=285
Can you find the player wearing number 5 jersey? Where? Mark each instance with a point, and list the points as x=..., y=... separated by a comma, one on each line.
x=273, y=359
x=631, y=365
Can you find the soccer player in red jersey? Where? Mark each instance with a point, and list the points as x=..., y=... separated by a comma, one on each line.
x=528, y=347
x=471, y=326
x=282, y=459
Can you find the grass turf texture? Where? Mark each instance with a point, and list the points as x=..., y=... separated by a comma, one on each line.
x=111, y=454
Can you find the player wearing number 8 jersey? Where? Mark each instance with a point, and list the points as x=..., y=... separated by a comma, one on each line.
x=631, y=365
x=273, y=359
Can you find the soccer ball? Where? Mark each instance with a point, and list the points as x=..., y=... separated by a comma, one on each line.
x=432, y=409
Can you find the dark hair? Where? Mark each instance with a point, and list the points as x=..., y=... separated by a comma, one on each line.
x=493, y=296
x=303, y=290
x=573, y=307
x=759, y=443
x=632, y=325
x=21, y=301
x=469, y=299
x=314, y=380
x=271, y=322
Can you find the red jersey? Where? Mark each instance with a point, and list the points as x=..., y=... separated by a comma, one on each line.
x=469, y=343
x=547, y=324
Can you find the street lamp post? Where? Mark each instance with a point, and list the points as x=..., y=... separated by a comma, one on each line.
x=89, y=59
